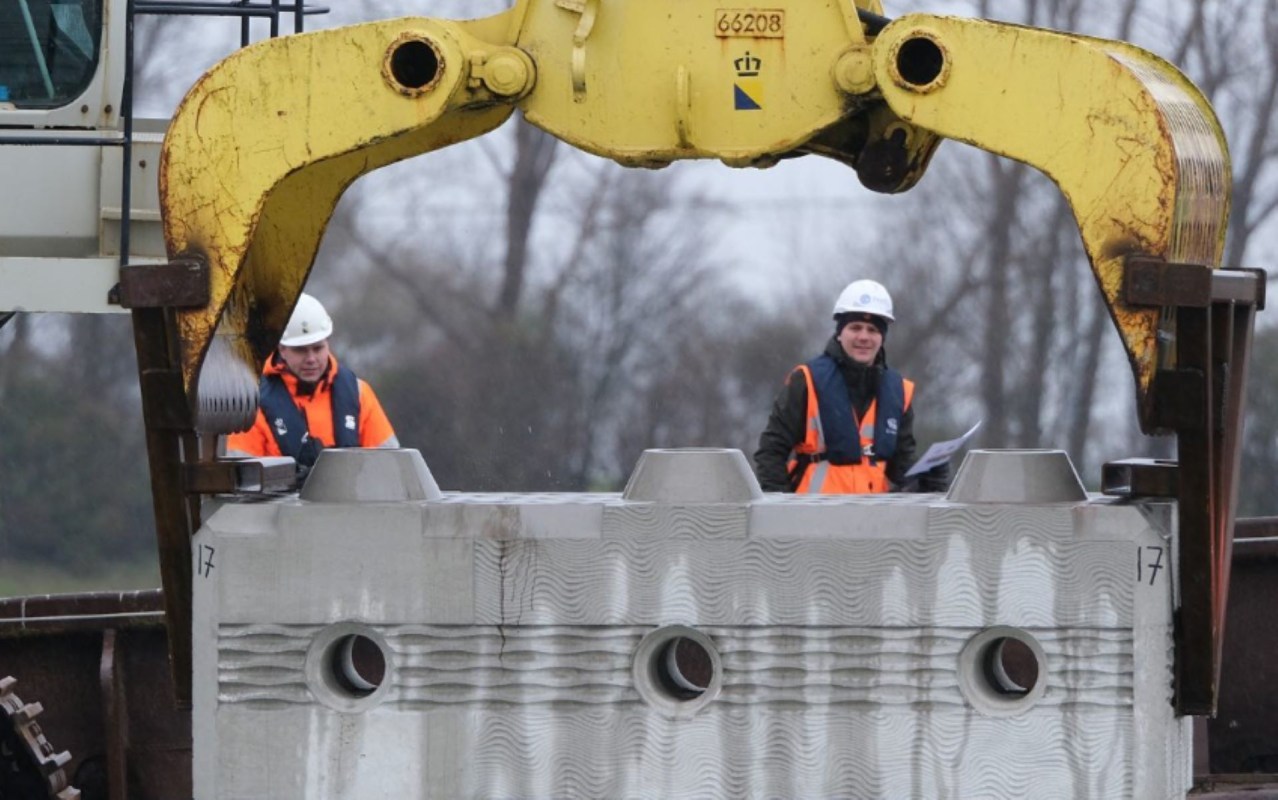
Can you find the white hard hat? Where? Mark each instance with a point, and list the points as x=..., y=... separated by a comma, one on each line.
x=866, y=297
x=309, y=324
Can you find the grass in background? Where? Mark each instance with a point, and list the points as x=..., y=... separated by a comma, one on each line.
x=18, y=579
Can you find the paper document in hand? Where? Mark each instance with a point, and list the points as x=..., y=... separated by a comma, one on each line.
x=940, y=452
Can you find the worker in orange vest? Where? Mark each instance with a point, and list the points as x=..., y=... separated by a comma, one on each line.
x=844, y=421
x=307, y=401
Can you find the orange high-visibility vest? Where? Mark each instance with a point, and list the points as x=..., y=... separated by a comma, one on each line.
x=373, y=426
x=869, y=476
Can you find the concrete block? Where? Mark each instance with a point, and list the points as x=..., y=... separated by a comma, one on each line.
x=689, y=641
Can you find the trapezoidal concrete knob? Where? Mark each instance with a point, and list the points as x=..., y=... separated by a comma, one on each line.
x=359, y=475
x=693, y=475
x=1017, y=476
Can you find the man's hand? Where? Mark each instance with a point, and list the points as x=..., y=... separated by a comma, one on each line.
x=311, y=448
x=936, y=479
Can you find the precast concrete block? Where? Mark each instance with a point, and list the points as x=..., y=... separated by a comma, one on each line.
x=691, y=637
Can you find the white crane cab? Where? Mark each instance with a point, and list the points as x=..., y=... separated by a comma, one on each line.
x=65, y=130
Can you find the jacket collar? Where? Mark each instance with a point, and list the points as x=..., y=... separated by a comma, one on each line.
x=862, y=380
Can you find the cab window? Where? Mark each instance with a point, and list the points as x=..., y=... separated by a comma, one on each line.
x=48, y=50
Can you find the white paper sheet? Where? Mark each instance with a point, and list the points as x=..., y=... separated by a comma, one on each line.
x=940, y=452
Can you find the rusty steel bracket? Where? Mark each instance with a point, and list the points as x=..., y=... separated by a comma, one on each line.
x=1149, y=281
x=1200, y=397
x=1257, y=528
x=115, y=716
x=183, y=283
x=241, y=476
x=1140, y=477
x=170, y=443
x=1178, y=399
x=169, y=407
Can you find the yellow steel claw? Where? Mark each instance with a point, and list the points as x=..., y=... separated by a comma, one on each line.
x=265, y=143
x=1132, y=144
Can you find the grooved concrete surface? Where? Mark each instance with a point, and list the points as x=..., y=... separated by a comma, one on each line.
x=842, y=628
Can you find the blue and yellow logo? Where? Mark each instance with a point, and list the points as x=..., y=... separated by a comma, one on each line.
x=747, y=89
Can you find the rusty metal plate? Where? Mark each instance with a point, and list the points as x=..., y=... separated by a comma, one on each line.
x=1149, y=281
x=178, y=284
x=1153, y=282
x=241, y=476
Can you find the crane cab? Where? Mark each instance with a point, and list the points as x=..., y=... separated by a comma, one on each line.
x=65, y=131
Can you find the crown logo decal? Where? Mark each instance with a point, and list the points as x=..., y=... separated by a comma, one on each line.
x=747, y=65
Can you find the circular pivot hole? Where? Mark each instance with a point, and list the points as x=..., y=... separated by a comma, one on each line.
x=920, y=61
x=413, y=65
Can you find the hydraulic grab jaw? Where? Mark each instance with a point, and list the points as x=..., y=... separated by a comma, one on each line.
x=253, y=167
x=264, y=144
x=255, y=160
x=1131, y=143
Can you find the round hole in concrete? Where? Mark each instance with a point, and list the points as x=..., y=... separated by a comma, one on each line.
x=677, y=670
x=348, y=667
x=357, y=665
x=684, y=668
x=1002, y=671
x=1010, y=667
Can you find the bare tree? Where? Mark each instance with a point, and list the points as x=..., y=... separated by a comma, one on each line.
x=534, y=156
x=598, y=273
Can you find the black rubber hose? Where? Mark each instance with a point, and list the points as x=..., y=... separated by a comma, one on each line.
x=873, y=22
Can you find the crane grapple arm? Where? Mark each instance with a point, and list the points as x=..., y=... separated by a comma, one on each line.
x=264, y=144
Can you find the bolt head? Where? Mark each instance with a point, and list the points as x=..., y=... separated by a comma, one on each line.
x=506, y=74
x=854, y=71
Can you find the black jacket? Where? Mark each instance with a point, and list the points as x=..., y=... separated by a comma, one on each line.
x=788, y=420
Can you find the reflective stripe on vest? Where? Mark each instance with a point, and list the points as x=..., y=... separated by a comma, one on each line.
x=833, y=469
x=289, y=426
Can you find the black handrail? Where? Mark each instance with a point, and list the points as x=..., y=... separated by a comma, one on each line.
x=244, y=9
x=65, y=141
x=126, y=155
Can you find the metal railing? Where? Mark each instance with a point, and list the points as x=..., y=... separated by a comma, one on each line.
x=245, y=10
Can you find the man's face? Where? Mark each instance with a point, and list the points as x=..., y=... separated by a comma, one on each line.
x=307, y=362
x=861, y=341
